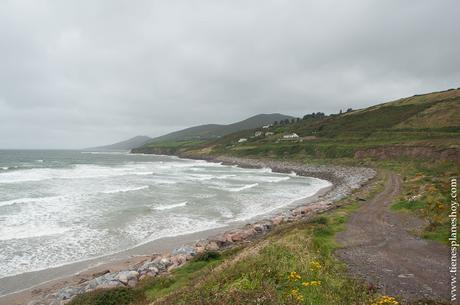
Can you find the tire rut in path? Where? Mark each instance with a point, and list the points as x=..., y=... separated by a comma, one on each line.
x=378, y=247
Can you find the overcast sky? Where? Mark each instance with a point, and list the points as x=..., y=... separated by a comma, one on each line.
x=83, y=73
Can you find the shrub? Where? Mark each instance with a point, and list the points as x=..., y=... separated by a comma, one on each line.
x=207, y=256
x=115, y=296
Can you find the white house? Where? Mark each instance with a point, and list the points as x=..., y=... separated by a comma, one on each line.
x=269, y=133
x=242, y=140
x=266, y=126
x=291, y=136
x=257, y=133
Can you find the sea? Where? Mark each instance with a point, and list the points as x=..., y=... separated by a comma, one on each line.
x=58, y=207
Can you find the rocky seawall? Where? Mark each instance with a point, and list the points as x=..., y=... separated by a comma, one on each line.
x=344, y=180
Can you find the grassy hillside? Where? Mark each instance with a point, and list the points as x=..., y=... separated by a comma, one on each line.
x=425, y=126
x=124, y=145
x=213, y=131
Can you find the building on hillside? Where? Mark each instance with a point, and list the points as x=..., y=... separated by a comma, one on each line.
x=291, y=136
x=242, y=140
x=266, y=126
x=257, y=133
x=269, y=133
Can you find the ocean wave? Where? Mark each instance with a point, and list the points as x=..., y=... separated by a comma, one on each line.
x=25, y=200
x=156, y=180
x=199, y=177
x=75, y=172
x=30, y=231
x=101, y=224
x=106, y=152
x=269, y=179
x=124, y=190
x=8, y=168
x=170, y=206
x=224, y=212
x=242, y=188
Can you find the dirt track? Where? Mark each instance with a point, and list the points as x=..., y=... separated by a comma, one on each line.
x=378, y=247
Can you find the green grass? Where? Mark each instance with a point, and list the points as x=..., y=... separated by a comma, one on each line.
x=429, y=183
x=118, y=296
x=409, y=206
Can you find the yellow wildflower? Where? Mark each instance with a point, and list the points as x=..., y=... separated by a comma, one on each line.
x=311, y=283
x=294, y=276
x=296, y=295
x=386, y=300
x=315, y=266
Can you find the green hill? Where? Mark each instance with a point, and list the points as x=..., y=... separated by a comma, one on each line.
x=435, y=111
x=124, y=145
x=213, y=131
x=424, y=125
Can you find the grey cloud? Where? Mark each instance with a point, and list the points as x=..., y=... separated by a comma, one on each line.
x=83, y=73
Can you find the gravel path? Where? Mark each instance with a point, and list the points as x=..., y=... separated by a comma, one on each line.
x=379, y=247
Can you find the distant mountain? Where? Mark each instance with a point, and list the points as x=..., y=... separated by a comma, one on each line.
x=213, y=131
x=124, y=145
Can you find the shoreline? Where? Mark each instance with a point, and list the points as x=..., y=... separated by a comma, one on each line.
x=55, y=284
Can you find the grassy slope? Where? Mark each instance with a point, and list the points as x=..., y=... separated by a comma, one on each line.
x=421, y=120
x=212, y=131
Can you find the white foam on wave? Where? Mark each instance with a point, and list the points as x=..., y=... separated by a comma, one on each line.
x=268, y=203
x=26, y=200
x=170, y=206
x=124, y=190
x=269, y=179
x=30, y=231
x=163, y=181
x=225, y=212
x=82, y=171
x=106, y=152
x=242, y=188
x=199, y=177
